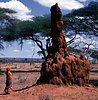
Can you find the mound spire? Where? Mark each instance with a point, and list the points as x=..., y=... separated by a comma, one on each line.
x=60, y=66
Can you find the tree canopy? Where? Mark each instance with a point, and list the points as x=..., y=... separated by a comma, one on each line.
x=5, y=20
x=84, y=20
x=81, y=21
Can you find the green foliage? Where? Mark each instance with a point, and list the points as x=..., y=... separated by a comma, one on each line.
x=45, y=23
x=5, y=10
x=44, y=98
x=73, y=50
x=4, y=16
x=83, y=20
x=9, y=34
x=95, y=54
x=5, y=20
x=42, y=24
x=25, y=29
x=90, y=11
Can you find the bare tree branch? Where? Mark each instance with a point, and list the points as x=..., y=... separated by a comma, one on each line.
x=40, y=45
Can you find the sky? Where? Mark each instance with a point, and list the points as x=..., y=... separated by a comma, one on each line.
x=26, y=9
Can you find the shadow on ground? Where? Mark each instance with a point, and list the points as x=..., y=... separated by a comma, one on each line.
x=93, y=82
x=25, y=88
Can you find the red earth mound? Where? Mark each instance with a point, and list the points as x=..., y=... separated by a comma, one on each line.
x=60, y=66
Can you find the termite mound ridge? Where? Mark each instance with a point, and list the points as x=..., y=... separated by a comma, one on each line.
x=60, y=66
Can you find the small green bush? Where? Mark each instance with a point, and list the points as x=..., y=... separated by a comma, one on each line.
x=44, y=98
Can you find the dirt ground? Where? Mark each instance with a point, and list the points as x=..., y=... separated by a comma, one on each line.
x=25, y=76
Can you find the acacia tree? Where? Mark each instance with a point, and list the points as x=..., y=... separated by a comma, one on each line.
x=5, y=20
x=77, y=22
x=83, y=21
x=26, y=30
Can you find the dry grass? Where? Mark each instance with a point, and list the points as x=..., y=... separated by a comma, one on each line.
x=23, y=78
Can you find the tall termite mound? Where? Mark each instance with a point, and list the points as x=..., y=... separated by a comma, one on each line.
x=60, y=66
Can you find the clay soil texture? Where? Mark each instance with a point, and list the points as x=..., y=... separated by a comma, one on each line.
x=25, y=76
